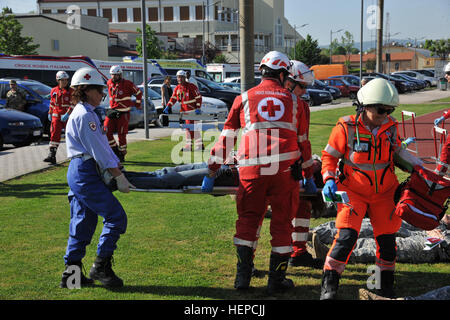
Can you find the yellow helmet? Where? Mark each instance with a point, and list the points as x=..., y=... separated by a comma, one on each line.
x=378, y=91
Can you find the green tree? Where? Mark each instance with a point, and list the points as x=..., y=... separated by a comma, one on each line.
x=11, y=42
x=153, y=44
x=371, y=64
x=440, y=48
x=220, y=58
x=307, y=51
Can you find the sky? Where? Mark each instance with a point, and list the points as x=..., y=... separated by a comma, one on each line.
x=415, y=19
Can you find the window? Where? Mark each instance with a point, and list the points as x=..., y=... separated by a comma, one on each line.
x=122, y=14
x=137, y=14
x=184, y=13
x=152, y=14
x=46, y=11
x=92, y=12
x=168, y=14
x=279, y=34
x=216, y=13
x=107, y=13
x=198, y=12
x=55, y=45
x=61, y=11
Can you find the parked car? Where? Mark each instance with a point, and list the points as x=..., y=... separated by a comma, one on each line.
x=419, y=84
x=425, y=72
x=19, y=128
x=319, y=85
x=431, y=81
x=306, y=97
x=400, y=85
x=347, y=89
x=410, y=86
x=207, y=88
x=232, y=85
x=37, y=95
x=258, y=80
x=209, y=105
x=319, y=97
x=354, y=80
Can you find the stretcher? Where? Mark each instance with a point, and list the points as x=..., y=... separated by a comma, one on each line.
x=219, y=190
x=413, y=116
x=204, y=121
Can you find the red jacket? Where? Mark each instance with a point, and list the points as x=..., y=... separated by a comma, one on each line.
x=120, y=95
x=274, y=132
x=188, y=95
x=60, y=100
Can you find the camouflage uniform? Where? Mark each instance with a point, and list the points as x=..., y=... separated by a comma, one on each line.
x=16, y=99
x=410, y=243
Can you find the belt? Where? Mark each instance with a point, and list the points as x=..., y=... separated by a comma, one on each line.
x=84, y=157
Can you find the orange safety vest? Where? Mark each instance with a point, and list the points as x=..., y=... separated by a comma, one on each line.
x=369, y=168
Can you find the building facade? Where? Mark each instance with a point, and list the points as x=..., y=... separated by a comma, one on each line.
x=200, y=21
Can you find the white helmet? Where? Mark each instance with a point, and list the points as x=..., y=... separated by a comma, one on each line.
x=61, y=75
x=276, y=60
x=87, y=76
x=447, y=67
x=115, y=70
x=181, y=73
x=378, y=91
x=301, y=73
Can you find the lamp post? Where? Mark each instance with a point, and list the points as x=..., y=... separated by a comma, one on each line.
x=205, y=6
x=295, y=38
x=388, y=41
x=415, y=47
x=331, y=39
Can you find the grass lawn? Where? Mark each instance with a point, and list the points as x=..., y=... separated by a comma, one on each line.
x=177, y=247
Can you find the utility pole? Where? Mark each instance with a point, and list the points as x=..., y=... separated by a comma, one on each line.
x=246, y=31
x=379, y=51
x=144, y=61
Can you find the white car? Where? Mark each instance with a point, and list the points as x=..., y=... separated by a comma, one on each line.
x=209, y=105
x=430, y=80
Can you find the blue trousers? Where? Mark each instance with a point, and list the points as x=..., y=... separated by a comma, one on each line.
x=89, y=198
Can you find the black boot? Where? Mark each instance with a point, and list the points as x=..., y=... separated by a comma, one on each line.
x=51, y=156
x=244, y=267
x=330, y=283
x=305, y=260
x=387, y=285
x=102, y=271
x=277, y=274
x=66, y=274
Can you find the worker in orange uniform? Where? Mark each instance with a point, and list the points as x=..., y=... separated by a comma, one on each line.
x=191, y=100
x=273, y=123
x=117, y=117
x=58, y=112
x=366, y=145
x=444, y=158
x=301, y=76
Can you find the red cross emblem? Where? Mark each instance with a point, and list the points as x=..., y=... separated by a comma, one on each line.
x=271, y=108
x=87, y=76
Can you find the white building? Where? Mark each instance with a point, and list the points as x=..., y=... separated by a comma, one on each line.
x=200, y=20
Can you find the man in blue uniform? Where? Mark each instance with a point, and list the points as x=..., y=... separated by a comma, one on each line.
x=88, y=148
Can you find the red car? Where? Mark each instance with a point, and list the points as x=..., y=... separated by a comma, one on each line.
x=347, y=89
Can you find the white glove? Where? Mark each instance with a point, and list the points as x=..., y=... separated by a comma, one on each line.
x=123, y=185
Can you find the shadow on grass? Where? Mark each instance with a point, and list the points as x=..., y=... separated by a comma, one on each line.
x=31, y=190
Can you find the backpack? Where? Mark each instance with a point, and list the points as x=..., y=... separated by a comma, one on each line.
x=422, y=199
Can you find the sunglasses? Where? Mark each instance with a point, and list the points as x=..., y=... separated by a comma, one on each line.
x=382, y=110
x=447, y=73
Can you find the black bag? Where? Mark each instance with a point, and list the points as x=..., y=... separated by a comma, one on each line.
x=113, y=114
x=296, y=170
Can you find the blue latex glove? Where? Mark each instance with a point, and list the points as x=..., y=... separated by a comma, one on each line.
x=208, y=184
x=198, y=111
x=310, y=186
x=166, y=110
x=330, y=189
x=438, y=120
x=408, y=141
x=49, y=117
x=64, y=117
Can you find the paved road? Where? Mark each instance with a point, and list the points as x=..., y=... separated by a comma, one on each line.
x=15, y=162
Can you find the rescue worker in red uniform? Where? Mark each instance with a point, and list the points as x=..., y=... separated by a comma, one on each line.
x=366, y=145
x=58, y=112
x=301, y=76
x=190, y=98
x=273, y=123
x=120, y=91
x=444, y=157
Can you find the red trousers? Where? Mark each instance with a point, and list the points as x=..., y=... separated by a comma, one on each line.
x=301, y=227
x=253, y=195
x=55, y=131
x=121, y=127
